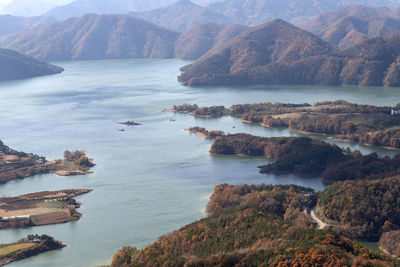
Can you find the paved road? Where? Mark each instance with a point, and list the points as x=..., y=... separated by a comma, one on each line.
x=321, y=224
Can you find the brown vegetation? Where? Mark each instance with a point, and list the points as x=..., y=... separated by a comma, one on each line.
x=253, y=226
x=364, y=209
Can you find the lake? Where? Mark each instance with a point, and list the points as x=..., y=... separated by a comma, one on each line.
x=149, y=179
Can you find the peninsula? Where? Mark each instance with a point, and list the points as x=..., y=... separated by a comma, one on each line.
x=27, y=247
x=342, y=120
x=41, y=208
x=19, y=165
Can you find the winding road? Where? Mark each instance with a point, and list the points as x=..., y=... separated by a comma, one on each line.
x=321, y=224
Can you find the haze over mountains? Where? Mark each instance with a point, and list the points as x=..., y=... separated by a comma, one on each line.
x=30, y=7
x=353, y=24
x=11, y=24
x=256, y=12
x=81, y=7
x=183, y=15
x=14, y=66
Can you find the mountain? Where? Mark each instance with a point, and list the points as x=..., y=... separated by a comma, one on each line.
x=279, y=53
x=182, y=15
x=197, y=41
x=351, y=25
x=14, y=65
x=10, y=24
x=255, y=12
x=30, y=8
x=94, y=37
x=276, y=41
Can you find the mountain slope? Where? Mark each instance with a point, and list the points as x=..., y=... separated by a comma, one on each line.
x=95, y=37
x=182, y=15
x=352, y=25
x=276, y=41
x=279, y=53
x=253, y=226
x=11, y=24
x=255, y=12
x=14, y=65
x=197, y=41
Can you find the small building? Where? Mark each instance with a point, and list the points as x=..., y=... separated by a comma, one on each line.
x=395, y=112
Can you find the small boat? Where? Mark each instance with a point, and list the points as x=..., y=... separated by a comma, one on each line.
x=130, y=123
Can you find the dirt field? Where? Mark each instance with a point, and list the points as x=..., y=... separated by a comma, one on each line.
x=41, y=208
x=7, y=249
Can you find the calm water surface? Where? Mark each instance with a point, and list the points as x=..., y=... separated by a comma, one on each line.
x=151, y=179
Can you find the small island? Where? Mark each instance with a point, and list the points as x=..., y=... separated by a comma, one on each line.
x=342, y=120
x=27, y=247
x=41, y=208
x=19, y=165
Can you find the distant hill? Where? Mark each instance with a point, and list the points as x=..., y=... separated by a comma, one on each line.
x=30, y=7
x=351, y=25
x=279, y=53
x=10, y=24
x=14, y=65
x=182, y=15
x=94, y=37
x=256, y=12
x=197, y=41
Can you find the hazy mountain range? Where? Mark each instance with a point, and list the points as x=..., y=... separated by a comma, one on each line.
x=11, y=24
x=30, y=7
x=351, y=25
x=182, y=15
x=248, y=12
x=256, y=12
x=14, y=66
x=81, y=7
x=280, y=53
